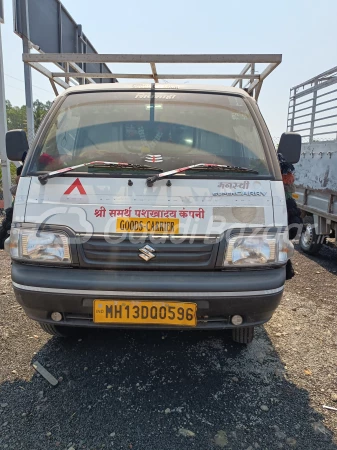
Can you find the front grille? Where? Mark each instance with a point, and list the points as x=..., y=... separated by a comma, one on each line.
x=200, y=254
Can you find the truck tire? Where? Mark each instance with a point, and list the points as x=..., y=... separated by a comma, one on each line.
x=310, y=241
x=59, y=330
x=243, y=335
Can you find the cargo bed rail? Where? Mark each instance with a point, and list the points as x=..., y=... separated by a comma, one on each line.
x=312, y=109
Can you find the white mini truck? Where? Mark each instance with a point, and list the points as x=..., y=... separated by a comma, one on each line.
x=151, y=206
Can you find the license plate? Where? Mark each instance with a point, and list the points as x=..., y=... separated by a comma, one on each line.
x=148, y=226
x=145, y=312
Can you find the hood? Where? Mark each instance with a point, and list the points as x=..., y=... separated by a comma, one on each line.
x=121, y=205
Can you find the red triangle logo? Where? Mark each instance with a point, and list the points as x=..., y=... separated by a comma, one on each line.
x=76, y=184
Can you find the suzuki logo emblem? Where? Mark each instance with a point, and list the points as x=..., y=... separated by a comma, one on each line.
x=154, y=158
x=147, y=253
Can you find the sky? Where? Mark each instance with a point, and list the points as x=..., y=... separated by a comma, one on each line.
x=303, y=31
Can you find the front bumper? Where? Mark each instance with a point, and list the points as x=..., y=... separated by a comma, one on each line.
x=252, y=294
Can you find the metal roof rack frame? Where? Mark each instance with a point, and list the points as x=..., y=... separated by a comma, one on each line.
x=253, y=87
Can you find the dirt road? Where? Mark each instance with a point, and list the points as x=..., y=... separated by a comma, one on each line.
x=177, y=390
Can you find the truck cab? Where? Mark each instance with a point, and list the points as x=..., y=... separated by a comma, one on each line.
x=312, y=113
x=150, y=206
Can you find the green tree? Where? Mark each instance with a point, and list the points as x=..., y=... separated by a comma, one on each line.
x=16, y=115
x=16, y=120
x=40, y=110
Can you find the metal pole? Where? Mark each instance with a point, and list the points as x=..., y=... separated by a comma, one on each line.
x=313, y=114
x=294, y=110
x=252, y=71
x=6, y=176
x=29, y=95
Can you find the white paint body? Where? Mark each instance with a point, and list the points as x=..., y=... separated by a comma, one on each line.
x=222, y=203
x=317, y=168
x=316, y=184
x=262, y=204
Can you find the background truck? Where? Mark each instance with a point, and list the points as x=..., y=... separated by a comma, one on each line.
x=313, y=114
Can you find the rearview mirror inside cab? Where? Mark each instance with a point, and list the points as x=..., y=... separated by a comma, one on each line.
x=16, y=144
x=290, y=147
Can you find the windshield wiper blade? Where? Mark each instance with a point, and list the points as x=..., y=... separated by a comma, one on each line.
x=203, y=166
x=44, y=178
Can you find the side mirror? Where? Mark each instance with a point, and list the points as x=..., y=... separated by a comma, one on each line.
x=16, y=144
x=290, y=147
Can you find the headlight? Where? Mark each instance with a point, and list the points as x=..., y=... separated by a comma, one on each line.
x=41, y=246
x=258, y=250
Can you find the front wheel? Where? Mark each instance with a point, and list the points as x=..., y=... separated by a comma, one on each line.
x=310, y=241
x=60, y=331
x=243, y=335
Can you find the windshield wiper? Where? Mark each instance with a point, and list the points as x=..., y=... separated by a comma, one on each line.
x=44, y=178
x=202, y=166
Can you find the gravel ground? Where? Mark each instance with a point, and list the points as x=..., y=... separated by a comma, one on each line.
x=177, y=390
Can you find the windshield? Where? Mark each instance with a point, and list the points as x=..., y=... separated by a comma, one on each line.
x=164, y=129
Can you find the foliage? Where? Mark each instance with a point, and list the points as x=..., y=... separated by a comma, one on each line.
x=40, y=110
x=16, y=119
x=16, y=115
